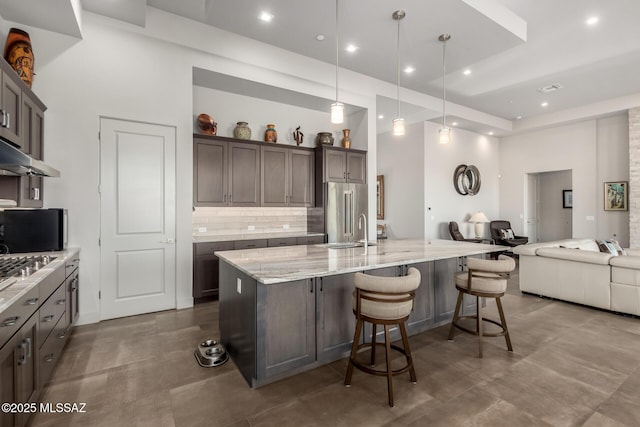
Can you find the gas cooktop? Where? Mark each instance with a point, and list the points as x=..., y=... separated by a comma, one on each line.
x=13, y=267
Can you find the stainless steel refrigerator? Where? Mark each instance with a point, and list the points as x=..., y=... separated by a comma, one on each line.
x=343, y=205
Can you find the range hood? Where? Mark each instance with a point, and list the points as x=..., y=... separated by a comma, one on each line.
x=15, y=162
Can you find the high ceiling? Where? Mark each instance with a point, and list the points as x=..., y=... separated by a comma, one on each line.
x=512, y=48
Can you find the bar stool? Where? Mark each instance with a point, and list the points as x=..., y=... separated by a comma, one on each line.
x=483, y=279
x=383, y=301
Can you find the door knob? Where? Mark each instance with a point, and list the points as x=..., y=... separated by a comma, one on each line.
x=169, y=241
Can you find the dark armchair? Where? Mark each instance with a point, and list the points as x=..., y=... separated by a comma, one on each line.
x=457, y=235
x=501, y=232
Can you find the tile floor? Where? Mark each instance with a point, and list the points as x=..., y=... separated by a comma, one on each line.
x=571, y=366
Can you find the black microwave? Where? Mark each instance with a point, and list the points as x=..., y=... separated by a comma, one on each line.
x=35, y=230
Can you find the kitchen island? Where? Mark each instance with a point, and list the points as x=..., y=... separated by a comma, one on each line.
x=285, y=310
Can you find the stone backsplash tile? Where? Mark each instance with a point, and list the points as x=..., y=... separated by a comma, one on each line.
x=232, y=220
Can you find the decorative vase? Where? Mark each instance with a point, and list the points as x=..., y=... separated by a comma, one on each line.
x=298, y=136
x=18, y=53
x=346, y=139
x=207, y=125
x=270, y=135
x=325, y=138
x=242, y=131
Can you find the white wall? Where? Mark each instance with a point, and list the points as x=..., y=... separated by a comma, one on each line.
x=401, y=161
x=442, y=202
x=554, y=221
x=228, y=108
x=613, y=165
x=594, y=150
x=568, y=147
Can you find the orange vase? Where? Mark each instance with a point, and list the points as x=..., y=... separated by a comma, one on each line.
x=18, y=53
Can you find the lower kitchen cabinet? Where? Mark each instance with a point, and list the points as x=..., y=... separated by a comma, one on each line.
x=336, y=322
x=205, y=268
x=18, y=372
x=285, y=327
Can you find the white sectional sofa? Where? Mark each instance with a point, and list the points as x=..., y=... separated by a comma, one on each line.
x=575, y=270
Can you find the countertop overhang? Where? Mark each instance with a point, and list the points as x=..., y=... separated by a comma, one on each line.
x=289, y=263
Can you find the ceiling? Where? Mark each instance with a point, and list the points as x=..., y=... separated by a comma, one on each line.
x=512, y=47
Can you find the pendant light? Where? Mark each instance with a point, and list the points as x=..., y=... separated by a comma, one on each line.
x=398, y=122
x=337, y=108
x=444, y=133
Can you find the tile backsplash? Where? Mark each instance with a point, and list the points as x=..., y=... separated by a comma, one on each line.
x=245, y=221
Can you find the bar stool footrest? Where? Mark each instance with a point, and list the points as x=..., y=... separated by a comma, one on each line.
x=475, y=332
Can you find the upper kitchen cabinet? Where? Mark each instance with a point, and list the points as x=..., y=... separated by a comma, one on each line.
x=225, y=173
x=287, y=176
x=342, y=165
x=32, y=122
x=10, y=107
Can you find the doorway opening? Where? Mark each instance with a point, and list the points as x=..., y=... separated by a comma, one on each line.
x=549, y=206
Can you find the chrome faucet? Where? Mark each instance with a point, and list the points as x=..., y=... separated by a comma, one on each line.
x=366, y=241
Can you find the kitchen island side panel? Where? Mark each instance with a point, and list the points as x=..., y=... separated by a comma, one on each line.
x=237, y=316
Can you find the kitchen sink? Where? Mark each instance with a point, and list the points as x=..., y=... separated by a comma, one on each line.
x=345, y=245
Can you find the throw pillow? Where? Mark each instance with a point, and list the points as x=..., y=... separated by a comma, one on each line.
x=608, y=247
x=510, y=234
x=503, y=234
x=614, y=246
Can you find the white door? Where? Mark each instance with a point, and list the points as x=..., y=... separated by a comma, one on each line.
x=533, y=207
x=137, y=218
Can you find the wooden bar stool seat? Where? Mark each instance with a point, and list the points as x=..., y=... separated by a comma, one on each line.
x=483, y=279
x=383, y=301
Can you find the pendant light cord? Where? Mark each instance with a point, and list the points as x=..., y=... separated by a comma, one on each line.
x=337, y=51
x=444, y=91
x=398, y=69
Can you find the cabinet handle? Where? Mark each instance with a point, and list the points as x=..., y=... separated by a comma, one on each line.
x=47, y=319
x=344, y=175
x=23, y=358
x=224, y=198
x=311, y=287
x=11, y=321
x=36, y=193
x=31, y=301
x=62, y=335
x=28, y=342
x=321, y=284
x=48, y=357
x=60, y=302
x=230, y=198
x=8, y=124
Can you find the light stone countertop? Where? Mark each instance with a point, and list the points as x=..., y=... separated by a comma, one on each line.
x=251, y=236
x=289, y=263
x=15, y=291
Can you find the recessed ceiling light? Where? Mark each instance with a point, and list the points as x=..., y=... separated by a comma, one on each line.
x=380, y=116
x=351, y=48
x=544, y=104
x=409, y=69
x=490, y=133
x=467, y=72
x=320, y=37
x=593, y=20
x=266, y=17
x=518, y=117
x=454, y=124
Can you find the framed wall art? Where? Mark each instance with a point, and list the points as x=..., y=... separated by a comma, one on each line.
x=567, y=199
x=616, y=196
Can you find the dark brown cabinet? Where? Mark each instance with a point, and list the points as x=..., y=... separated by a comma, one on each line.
x=18, y=372
x=206, y=267
x=226, y=173
x=287, y=177
x=10, y=109
x=32, y=122
x=342, y=165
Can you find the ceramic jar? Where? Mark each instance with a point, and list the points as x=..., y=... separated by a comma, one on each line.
x=325, y=138
x=18, y=53
x=346, y=139
x=270, y=135
x=207, y=125
x=242, y=131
